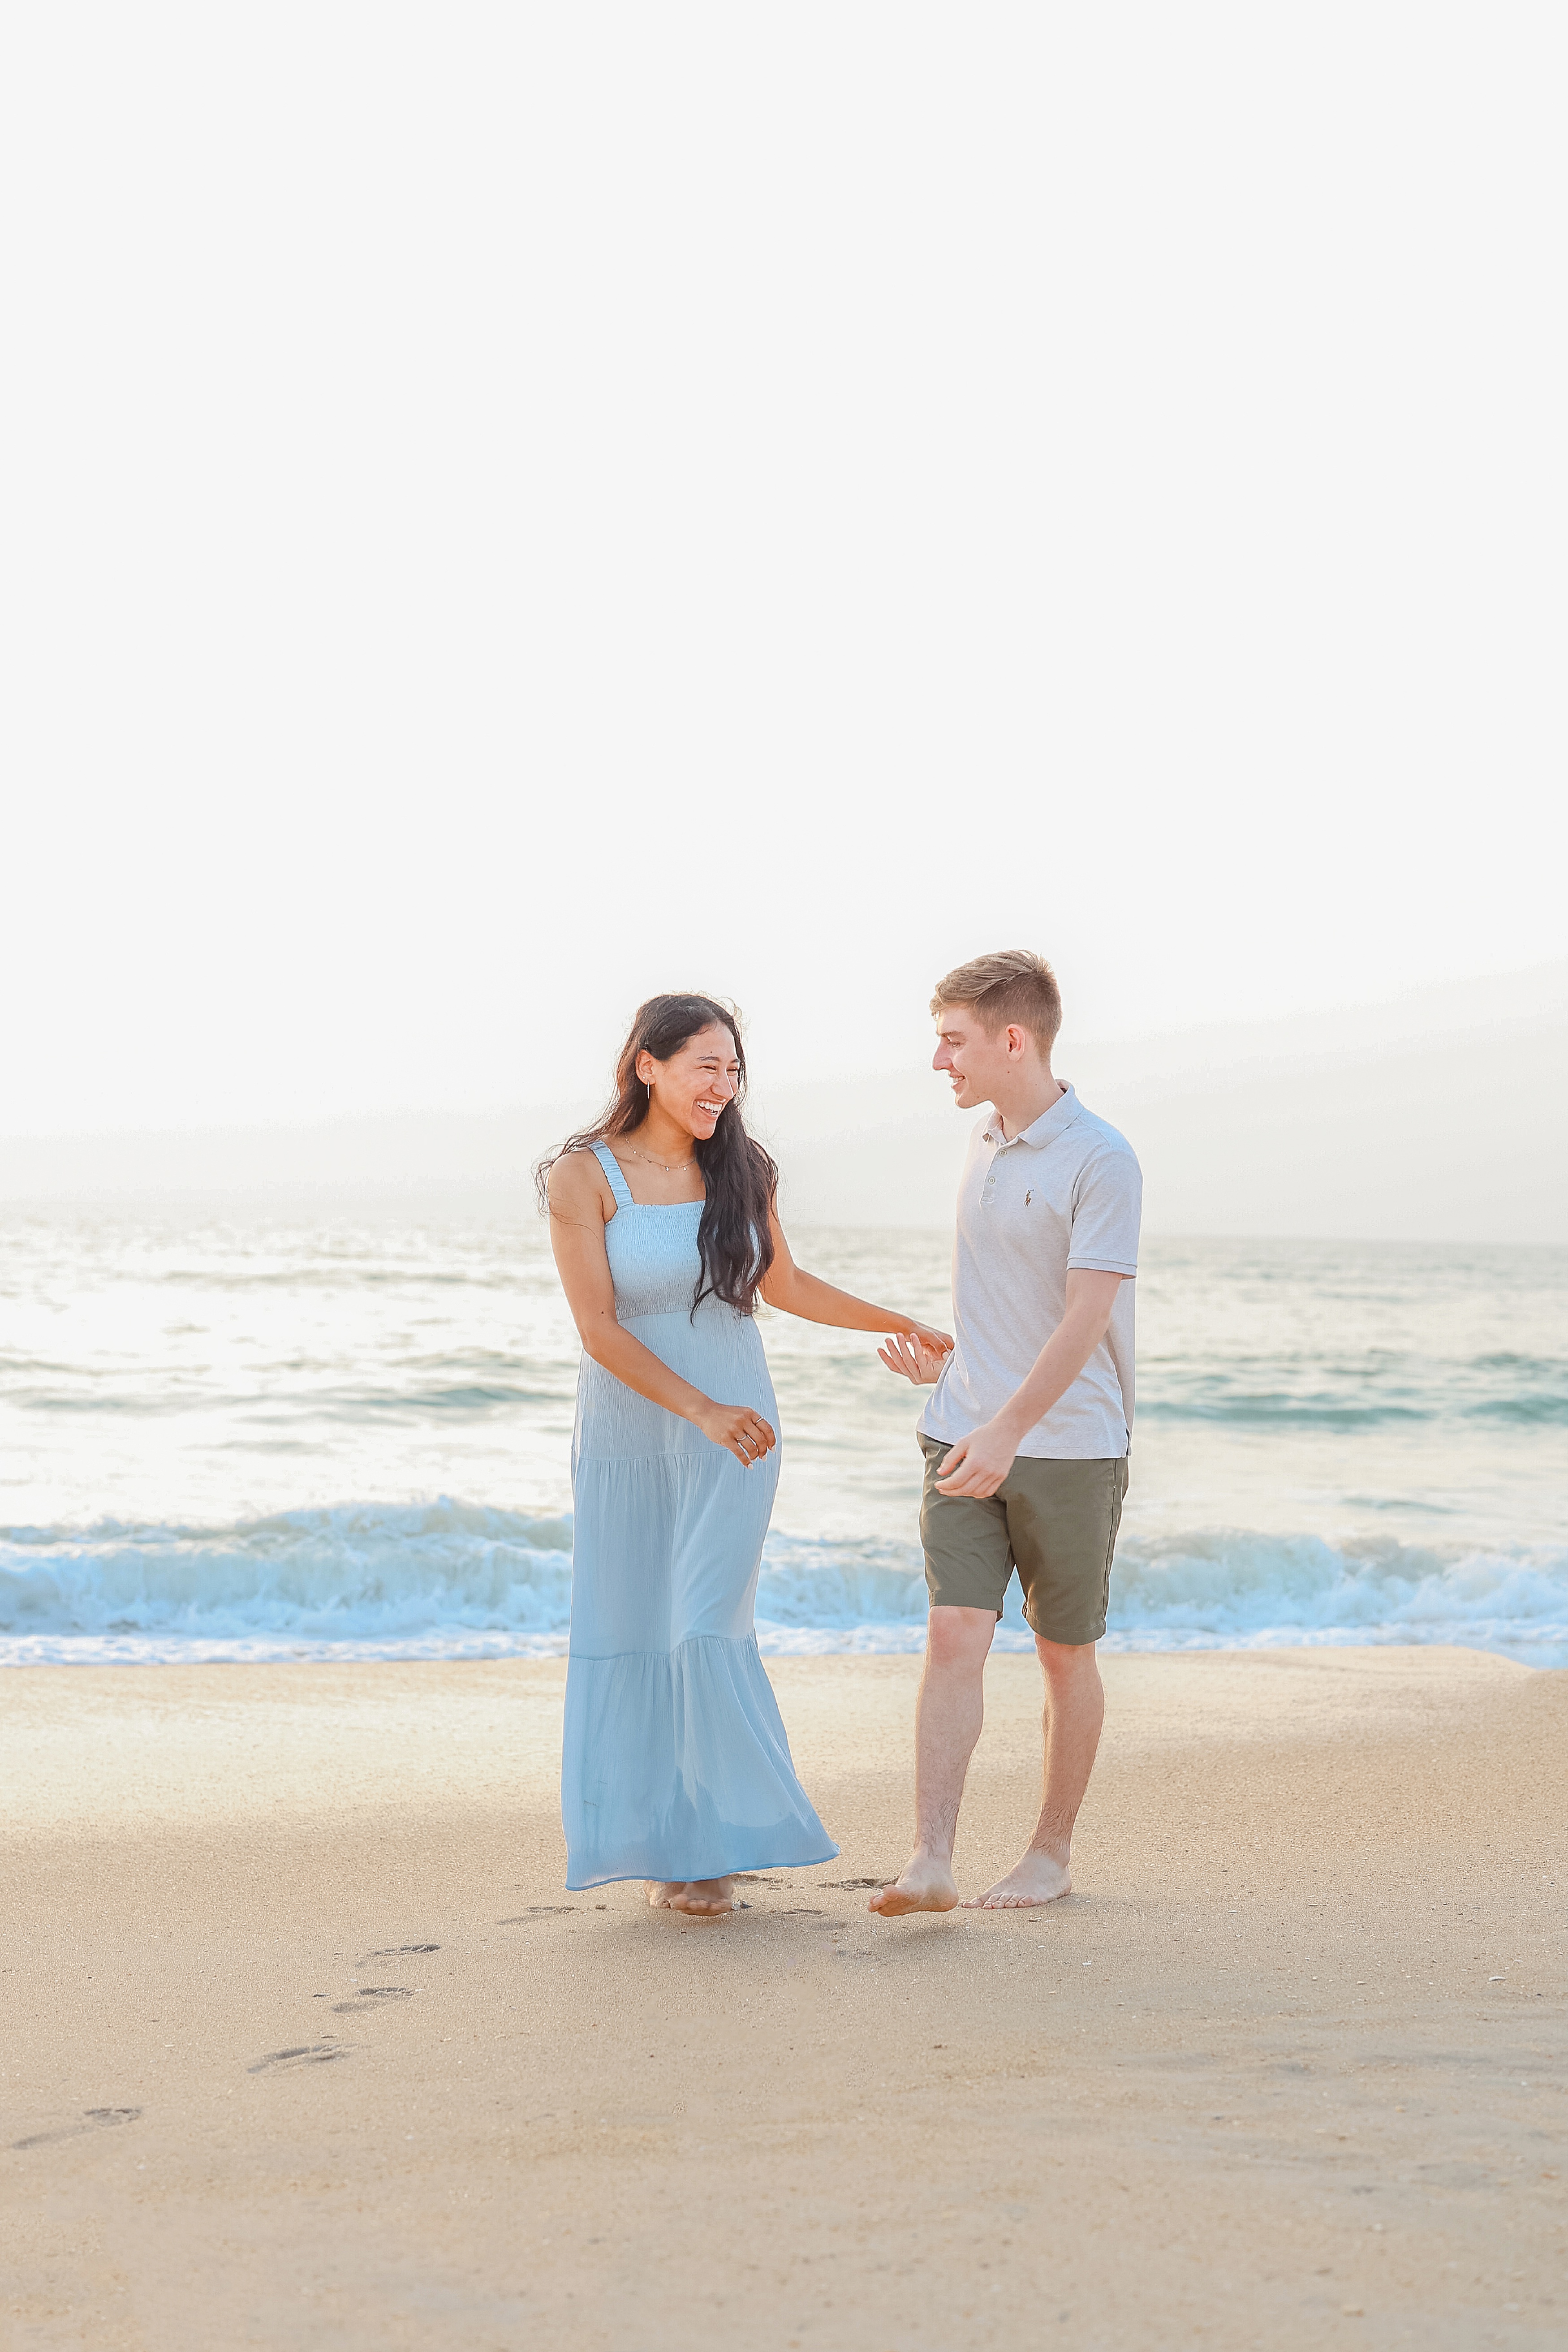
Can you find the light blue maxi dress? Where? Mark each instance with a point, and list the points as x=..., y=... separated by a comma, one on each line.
x=676, y=1764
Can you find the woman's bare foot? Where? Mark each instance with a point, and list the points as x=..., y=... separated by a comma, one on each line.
x=698, y=1898
x=923, y=1884
x=1039, y=1879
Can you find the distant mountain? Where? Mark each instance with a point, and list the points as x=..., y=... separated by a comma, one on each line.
x=1442, y=1116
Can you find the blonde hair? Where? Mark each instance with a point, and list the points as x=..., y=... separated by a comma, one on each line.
x=1011, y=986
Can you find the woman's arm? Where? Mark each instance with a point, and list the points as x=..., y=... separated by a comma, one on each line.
x=578, y=1197
x=793, y=1291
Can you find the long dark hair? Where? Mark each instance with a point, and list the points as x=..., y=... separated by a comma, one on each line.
x=735, y=1236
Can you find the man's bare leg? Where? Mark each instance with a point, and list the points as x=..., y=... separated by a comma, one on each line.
x=1075, y=1710
x=948, y=1717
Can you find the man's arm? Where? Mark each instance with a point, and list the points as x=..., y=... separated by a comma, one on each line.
x=978, y=1463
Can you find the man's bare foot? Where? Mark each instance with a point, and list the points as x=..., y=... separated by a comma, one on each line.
x=923, y=1884
x=702, y=1899
x=1039, y=1879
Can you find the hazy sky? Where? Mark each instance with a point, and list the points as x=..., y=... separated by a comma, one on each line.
x=510, y=507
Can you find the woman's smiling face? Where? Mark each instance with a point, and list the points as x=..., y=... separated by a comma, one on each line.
x=694, y=1085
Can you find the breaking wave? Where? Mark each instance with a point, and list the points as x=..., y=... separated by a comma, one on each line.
x=453, y=1580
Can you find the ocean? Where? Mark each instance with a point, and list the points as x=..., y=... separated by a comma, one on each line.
x=269, y=1439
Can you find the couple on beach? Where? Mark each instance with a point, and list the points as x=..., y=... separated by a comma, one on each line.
x=664, y=1220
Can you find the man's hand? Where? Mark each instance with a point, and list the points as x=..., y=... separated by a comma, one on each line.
x=919, y=1355
x=977, y=1465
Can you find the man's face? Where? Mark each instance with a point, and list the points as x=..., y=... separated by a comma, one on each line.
x=975, y=1063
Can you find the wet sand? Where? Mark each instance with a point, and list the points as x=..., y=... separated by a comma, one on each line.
x=305, y=2045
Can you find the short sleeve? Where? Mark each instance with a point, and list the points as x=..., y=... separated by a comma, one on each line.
x=1108, y=1201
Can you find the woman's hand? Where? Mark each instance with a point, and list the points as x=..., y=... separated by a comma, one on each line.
x=919, y=1354
x=739, y=1430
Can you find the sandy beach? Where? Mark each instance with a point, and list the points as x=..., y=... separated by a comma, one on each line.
x=306, y=2046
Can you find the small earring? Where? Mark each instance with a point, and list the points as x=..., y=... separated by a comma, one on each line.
x=648, y=1083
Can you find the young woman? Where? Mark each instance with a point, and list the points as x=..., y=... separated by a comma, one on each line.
x=666, y=1231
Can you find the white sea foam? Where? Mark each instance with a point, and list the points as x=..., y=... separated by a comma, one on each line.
x=449, y=1578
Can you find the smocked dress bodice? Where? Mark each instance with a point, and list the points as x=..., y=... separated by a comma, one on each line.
x=655, y=1262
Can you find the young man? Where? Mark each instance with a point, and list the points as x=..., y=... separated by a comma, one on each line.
x=1026, y=1438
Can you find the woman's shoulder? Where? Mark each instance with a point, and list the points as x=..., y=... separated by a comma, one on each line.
x=578, y=1178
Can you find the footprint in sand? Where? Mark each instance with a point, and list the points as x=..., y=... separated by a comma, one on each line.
x=839, y=1882
x=537, y=1911
x=371, y=1997
x=307, y=2054
x=92, y=2119
x=396, y=1952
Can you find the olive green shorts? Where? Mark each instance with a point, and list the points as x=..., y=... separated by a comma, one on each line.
x=1055, y=1522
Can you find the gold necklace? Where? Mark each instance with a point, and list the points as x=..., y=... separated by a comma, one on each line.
x=670, y=1167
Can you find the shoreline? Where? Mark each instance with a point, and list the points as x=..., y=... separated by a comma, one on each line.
x=1013, y=1640
x=1290, y=2060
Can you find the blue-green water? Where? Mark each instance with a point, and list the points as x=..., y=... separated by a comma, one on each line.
x=280, y=1439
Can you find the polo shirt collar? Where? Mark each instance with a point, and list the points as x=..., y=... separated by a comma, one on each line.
x=1043, y=1130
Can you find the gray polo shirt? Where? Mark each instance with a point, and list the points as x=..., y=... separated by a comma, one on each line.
x=1064, y=1192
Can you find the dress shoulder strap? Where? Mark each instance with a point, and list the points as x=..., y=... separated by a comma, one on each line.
x=618, y=1185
